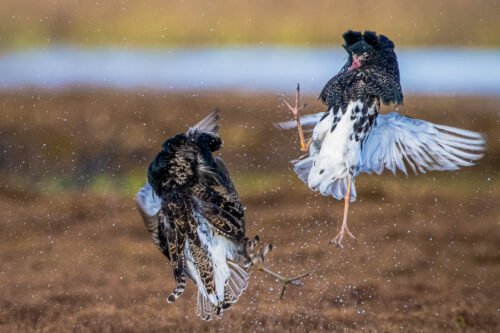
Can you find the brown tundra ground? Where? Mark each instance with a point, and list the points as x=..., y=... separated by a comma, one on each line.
x=75, y=256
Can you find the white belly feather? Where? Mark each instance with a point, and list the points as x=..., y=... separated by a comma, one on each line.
x=219, y=249
x=327, y=168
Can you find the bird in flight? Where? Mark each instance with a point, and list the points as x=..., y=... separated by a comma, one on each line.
x=350, y=137
x=194, y=215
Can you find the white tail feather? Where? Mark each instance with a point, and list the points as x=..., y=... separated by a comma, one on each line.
x=303, y=167
x=338, y=189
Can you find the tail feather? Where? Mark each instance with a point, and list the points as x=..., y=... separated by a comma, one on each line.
x=338, y=189
x=238, y=279
x=220, y=281
x=237, y=271
x=236, y=284
x=205, y=309
x=303, y=167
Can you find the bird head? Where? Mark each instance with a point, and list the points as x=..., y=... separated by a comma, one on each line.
x=368, y=50
x=374, y=56
x=212, y=141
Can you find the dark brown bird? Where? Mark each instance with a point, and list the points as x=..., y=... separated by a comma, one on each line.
x=193, y=213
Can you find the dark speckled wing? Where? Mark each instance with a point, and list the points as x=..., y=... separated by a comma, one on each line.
x=327, y=95
x=333, y=91
x=219, y=201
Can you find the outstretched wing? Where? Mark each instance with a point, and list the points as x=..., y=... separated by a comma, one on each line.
x=396, y=140
x=306, y=121
x=149, y=205
x=219, y=201
x=208, y=124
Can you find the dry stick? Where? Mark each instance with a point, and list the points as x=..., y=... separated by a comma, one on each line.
x=285, y=281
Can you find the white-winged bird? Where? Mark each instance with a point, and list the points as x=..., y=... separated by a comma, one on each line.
x=193, y=213
x=351, y=137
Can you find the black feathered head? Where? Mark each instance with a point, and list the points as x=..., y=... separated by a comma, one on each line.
x=374, y=56
x=368, y=49
x=205, y=140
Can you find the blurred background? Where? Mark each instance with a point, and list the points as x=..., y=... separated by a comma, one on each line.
x=90, y=90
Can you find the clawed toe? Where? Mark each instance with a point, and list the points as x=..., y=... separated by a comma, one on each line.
x=295, y=110
x=340, y=237
x=338, y=242
x=350, y=234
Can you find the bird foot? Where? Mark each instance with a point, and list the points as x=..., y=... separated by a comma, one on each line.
x=255, y=257
x=295, y=110
x=285, y=281
x=340, y=236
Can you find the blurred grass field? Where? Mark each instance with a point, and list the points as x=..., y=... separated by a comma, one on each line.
x=196, y=22
x=76, y=257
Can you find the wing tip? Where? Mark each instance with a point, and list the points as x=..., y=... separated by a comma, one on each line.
x=147, y=201
x=285, y=125
x=209, y=123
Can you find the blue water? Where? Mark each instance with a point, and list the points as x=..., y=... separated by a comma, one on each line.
x=251, y=69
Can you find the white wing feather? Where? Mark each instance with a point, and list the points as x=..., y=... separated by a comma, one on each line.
x=149, y=203
x=305, y=121
x=396, y=140
x=208, y=124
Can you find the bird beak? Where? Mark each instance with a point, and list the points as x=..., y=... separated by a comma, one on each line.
x=356, y=63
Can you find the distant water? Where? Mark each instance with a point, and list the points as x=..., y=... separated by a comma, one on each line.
x=252, y=69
